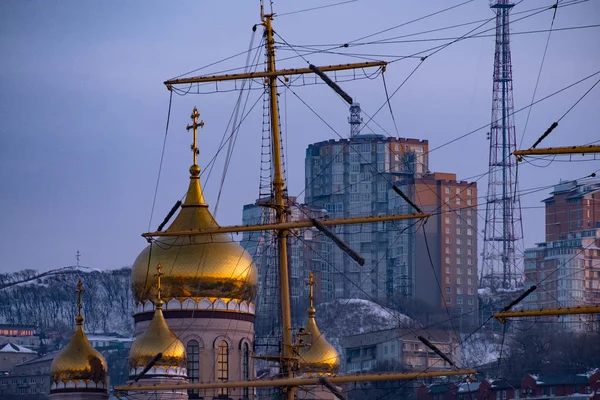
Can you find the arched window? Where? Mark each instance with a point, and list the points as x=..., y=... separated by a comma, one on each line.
x=223, y=365
x=245, y=367
x=193, y=366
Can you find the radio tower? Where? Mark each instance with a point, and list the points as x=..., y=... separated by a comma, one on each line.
x=355, y=120
x=503, y=226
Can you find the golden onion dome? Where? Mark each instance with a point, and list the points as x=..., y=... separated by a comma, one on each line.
x=317, y=356
x=78, y=361
x=158, y=338
x=196, y=266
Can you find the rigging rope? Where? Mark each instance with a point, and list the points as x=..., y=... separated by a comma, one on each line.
x=235, y=126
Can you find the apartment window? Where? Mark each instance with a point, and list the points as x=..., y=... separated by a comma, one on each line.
x=458, y=250
x=459, y=270
x=447, y=190
x=469, y=212
x=469, y=271
x=447, y=240
x=448, y=290
x=458, y=280
x=457, y=190
x=459, y=290
x=469, y=262
x=470, y=290
x=470, y=301
x=448, y=301
x=469, y=251
x=458, y=231
x=458, y=262
x=458, y=200
x=448, y=280
x=447, y=250
x=223, y=366
x=470, y=192
x=469, y=281
x=447, y=200
x=469, y=242
x=447, y=220
x=447, y=260
x=447, y=231
x=458, y=241
x=469, y=232
x=469, y=202
x=469, y=222
x=447, y=270
x=459, y=300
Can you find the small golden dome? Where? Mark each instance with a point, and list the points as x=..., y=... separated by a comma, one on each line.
x=318, y=356
x=78, y=361
x=158, y=338
x=196, y=266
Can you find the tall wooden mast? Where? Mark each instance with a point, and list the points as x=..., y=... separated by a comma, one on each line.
x=281, y=209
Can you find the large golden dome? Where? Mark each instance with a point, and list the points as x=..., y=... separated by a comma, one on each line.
x=78, y=361
x=195, y=266
x=318, y=356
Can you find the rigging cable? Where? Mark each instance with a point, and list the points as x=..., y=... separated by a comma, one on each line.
x=555, y=124
x=388, y=102
x=537, y=82
x=235, y=127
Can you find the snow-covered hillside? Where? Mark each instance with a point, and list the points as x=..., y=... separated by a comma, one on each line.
x=343, y=317
x=49, y=302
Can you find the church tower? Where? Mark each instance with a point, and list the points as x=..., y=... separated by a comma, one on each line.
x=208, y=285
x=158, y=348
x=316, y=357
x=78, y=372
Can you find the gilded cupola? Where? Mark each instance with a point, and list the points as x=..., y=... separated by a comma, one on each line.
x=316, y=356
x=196, y=266
x=78, y=366
x=158, y=339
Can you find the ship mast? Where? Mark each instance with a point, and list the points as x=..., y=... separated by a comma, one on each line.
x=281, y=207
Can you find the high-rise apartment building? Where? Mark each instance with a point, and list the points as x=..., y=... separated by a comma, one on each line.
x=352, y=178
x=566, y=267
x=444, y=249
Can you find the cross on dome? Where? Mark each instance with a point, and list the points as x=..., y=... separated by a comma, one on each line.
x=311, y=283
x=158, y=274
x=79, y=291
x=195, y=124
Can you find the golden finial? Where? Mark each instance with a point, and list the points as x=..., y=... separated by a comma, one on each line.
x=158, y=274
x=79, y=291
x=194, y=126
x=311, y=283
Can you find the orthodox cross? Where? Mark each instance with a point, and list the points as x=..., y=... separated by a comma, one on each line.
x=158, y=275
x=194, y=126
x=79, y=291
x=77, y=256
x=311, y=282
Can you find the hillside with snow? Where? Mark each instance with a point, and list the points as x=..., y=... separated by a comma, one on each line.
x=343, y=317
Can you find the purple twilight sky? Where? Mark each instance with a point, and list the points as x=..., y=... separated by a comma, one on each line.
x=83, y=107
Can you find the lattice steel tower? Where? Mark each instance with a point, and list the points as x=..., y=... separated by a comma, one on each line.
x=355, y=120
x=503, y=230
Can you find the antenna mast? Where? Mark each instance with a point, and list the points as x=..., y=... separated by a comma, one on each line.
x=503, y=225
x=355, y=120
